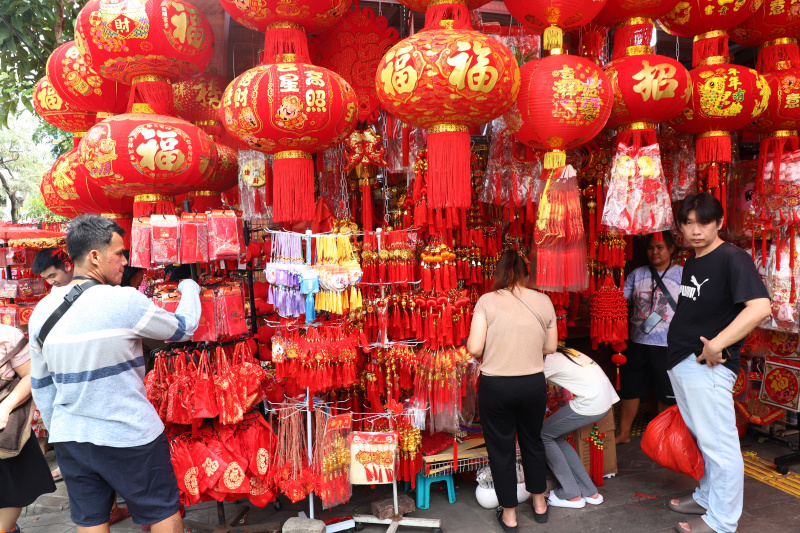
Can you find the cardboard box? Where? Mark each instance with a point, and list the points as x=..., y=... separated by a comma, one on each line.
x=606, y=425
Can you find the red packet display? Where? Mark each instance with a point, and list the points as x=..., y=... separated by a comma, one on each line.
x=9, y=315
x=230, y=312
x=140, y=242
x=224, y=239
x=194, y=238
x=207, y=327
x=165, y=239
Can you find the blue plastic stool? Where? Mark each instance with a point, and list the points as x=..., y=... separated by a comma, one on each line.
x=424, y=489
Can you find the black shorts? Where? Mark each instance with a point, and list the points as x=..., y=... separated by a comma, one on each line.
x=142, y=475
x=646, y=368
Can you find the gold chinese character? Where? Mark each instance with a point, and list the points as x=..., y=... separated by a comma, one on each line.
x=289, y=83
x=792, y=101
x=776, y=7
x=472, y=70
x=398, y=76
x=656, y=81
x=314, y=77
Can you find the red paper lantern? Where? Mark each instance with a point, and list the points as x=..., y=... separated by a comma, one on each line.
x=633, y=21
x=353, y=49
x=775, y=19
x=783, y=110
x=226, y=173
x=144, y=154
x=309, y=109
x=707, y=21
x=312, y=15
x=81, y=86
x=56, y=111
x=423, y=6
x=198, y=99
x=554, y=17
x=648, y=89
x=58, y=187
x=564, y=102
x=125, y=39
x=447, y=81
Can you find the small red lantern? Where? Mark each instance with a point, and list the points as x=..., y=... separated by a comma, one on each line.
x=309, y=109
x=708, y=22
x=81, y=86
x=554, y=17
x=56, y=111
x=143, y=154
x=226, y=173
x=564, y=102
x=447, y=81
x=775, y=19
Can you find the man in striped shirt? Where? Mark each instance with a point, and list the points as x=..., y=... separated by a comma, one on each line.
x=87, y=381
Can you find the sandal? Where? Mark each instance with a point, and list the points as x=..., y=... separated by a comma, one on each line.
x=696, y=525
x=506, y=528
x=687, y=505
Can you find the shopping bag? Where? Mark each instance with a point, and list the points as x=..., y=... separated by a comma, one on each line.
x=668, y=442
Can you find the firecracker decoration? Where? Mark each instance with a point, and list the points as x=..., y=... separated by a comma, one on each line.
x=353, y=49
x=372, y=457
x=609, y=314
x=553, y=18
x=632, y=22
x=558, y=252
x=154, y=156
x=772, y=20
x=707, y=22
x=145, y=43
x=335, y=488
x=564, y=102
x=440, y=383
x=81, y=86
x=56, y=111
x=596, y=442
x=410, y=460
x=725, y=98
x=447, y=78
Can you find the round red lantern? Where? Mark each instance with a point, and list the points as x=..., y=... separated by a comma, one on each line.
x=773, y=20
x=708, y=23
x=290, y=110
x=647, y=89
x=447, y=81
x=144, y=154
x=312, y=15
x=56, y=111
x=123, y=40
x=198, y=99
x=783, y=110
x=554, y=17
x=564, y=102
x=632, y=21
x=81, y=86
x=58, y=187
x=226, y=172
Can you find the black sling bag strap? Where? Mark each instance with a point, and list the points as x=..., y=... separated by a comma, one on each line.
x=664, y=291
x=69, y=299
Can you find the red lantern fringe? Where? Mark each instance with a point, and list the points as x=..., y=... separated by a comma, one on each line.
x=293, y=181
x=366, y=205
x=206, y=200
x=448, y=169
x=632, y=35
x=770, y=55
x=436, y=14
x=716, y=148
x=593, y=43
x=773, y=147
x=285, y=40
x=705, y=48
x=155, y=93
x=153, y=204
x=637, y=138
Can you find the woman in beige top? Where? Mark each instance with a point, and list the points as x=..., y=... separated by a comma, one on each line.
x=512, y=329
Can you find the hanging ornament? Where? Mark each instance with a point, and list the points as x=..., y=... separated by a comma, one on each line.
x=564, y=102
x=773, y=20
x=554, y=17
x=707, y=21
x=632, y=21
x=448, y=78
x=353, y=49
x=592, y=42
x=56, y=111
x=81, y=86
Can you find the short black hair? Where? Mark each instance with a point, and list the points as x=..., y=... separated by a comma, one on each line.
x=90, y=232
x=46, y=258
x=706, y=209
x=665, y=236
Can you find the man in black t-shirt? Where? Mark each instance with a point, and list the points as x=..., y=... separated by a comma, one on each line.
x=722, y=299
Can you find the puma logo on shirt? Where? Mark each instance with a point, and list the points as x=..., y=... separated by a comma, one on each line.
x=692, y=292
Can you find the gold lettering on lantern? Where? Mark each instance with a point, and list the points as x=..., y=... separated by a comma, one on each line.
x=188, y=29
x=472, y=70
x=398, y=76
x=208, y=93
x=161, y=152
x=656, y=81
x=314, y=77
x=776, y=7
x=316, y=100
x=49, y=98
x=575, y=101
x=290, y=83
x=792, y=101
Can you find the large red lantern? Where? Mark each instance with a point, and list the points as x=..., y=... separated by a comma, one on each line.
x=58, y=187
x=707, y=21
x=564, y=102
x=447, y=81
x=260, y=15
x=554, y=17
x=773, y=20
x=81, y=86
x=56, y=111
x=290, y=110
x=143, y=154
x=198, y=99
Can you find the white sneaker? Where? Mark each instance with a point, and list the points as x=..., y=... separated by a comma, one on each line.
x=555, y=501
x=594, y=501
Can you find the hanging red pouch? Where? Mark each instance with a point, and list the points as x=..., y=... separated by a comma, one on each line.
x=194, y=238
x=140, y=242
x=226, y=386
x=165, y=238
x=224, y=240
x=179, y=395
x=207, y=327
x=186, y=473
x=208, y=464
x=230, y=311
x=205, y=401
x=251, y=377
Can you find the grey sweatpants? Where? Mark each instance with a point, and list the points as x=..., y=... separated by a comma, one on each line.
x=562, y=458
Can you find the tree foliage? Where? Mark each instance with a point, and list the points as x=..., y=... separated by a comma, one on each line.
x=29, y=31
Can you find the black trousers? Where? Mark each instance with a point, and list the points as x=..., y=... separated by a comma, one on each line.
x=514, y=407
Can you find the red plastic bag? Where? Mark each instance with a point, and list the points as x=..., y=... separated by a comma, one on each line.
x=668, y=442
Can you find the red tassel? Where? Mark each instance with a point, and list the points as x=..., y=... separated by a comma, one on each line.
x=156, y=94
x=705, y=48
x=153, y=204
x=293, y=198
x=449, y=169
x=406, y=143
x=426, y=279
x=619, y=387
x=716, y=148
x=366, y=203
x=437, y=277
x=280, y=41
